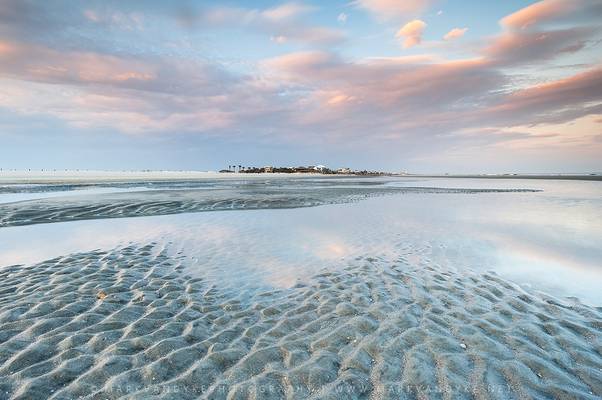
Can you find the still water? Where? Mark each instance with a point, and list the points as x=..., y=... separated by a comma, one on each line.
x=547, y=240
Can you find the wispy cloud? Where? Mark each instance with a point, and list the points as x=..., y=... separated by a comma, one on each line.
x=540, y=12
x=284, y=21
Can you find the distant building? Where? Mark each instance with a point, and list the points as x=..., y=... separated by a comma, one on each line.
x=320, y=168
x=268, y=169
x=344, y=171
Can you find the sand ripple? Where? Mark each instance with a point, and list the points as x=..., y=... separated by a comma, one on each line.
x=129, y=323
x=163, y=202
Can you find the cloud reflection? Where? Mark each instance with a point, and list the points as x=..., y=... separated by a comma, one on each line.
x=532, y=238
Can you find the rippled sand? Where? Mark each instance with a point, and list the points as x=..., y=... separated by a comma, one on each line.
x=131, y=323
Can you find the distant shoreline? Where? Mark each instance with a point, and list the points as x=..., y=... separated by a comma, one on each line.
x=575, y=177
x=92, y=176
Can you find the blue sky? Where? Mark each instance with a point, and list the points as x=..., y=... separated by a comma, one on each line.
x=418, y=85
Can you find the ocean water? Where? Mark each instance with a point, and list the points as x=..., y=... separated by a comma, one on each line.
x=544, y=235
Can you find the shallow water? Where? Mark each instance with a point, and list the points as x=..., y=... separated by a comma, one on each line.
x=302, y=288
x=546, y=239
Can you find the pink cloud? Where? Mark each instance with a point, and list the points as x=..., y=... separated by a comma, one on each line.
x=385, y=85
x=394, y=9
x=125, y=93
x=455, y=33
x=91, y=15
x=411, y=33
x=413, y=96
x=38, y=63
x=535, y=46
x=539, y=12
x=315, y=34
x=525, y=39
x=286, y=11
x=340, y=99
x=578, y=90
x=6, y=48
x=295, y=65
x=284, y=21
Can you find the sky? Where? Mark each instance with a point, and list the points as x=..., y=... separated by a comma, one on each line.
x=425, y=86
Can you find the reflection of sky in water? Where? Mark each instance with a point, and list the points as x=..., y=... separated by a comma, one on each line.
x=548, y=240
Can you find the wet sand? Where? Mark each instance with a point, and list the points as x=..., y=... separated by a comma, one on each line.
x=132, y=323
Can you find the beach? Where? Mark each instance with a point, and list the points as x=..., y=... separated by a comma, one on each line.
x=300, y=287
x=301, y=199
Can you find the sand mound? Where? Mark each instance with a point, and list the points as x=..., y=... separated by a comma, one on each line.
x=129, y=323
